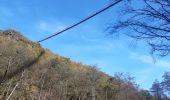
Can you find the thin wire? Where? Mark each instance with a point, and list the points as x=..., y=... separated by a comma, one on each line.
x=80, y=22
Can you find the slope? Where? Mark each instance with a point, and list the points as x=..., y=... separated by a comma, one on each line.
x=30, y=72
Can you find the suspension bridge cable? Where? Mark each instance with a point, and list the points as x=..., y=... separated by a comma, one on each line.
x=82, y=21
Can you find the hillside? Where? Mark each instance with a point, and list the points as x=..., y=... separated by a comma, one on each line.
x=30, y=72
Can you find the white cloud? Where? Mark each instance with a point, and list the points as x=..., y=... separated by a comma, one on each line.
x=49, y=26
x=105, y=44
x=90, y=39
x=149, y=60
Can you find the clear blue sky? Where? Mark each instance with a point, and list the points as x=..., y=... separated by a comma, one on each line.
x=87, y=43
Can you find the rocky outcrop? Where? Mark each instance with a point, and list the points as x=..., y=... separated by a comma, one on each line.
x=11, y=34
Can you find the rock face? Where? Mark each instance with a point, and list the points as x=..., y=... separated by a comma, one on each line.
x=14, y=35
x=11, y=34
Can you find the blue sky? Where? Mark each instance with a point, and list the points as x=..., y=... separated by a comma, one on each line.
x=86, y=43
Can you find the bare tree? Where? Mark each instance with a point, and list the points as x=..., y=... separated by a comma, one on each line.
x=147, y=20
x=17, y=84
x=166, y=82
x=146, y=95
x=127, y=88
x=157, y=90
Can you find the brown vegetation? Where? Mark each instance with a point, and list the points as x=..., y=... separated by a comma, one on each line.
x=29, y=72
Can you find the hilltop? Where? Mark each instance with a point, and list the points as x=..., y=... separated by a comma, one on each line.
x=30, y=72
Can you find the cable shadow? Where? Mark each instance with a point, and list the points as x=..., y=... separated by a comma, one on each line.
x=22, y=68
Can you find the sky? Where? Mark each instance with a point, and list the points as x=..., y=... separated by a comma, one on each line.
x=88, y=43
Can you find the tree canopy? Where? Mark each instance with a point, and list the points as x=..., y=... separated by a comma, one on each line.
x=147, y=20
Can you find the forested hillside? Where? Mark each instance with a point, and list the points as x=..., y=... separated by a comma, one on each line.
x=29, y=72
